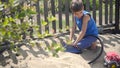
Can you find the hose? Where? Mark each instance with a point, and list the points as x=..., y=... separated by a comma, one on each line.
x=101, y=50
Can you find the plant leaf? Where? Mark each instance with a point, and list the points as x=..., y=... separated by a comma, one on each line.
x=5, y=23
x=44, y=23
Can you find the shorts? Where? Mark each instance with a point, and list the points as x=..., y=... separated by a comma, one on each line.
x=86, y=42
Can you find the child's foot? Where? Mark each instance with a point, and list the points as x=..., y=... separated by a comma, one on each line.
x=94, y=46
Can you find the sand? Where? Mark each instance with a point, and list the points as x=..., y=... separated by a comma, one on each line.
x=37, y=57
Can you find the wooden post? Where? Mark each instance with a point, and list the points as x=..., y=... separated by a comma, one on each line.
x=60, y=14
x=67, y=12
x=46, y=14
x=111, y=12
x=117, y=16
x=94, y=9
x=100, y=12
x=87, y=5
x=106, y=11
x=38, y=15
x=53, y=13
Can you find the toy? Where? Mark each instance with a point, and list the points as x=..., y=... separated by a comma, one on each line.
x=112, y=60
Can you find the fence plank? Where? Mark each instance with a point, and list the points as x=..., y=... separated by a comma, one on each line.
x=117, y=9
x=60, y=13
x=87, y=5
x=111, y=12
x=100, y=12
x=67, y=12
x=106, y=11
x=46, y=14
x=53, y=13
x=38, y=16
x=94, y=9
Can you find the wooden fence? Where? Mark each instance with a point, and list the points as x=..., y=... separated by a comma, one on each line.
x=103, y=13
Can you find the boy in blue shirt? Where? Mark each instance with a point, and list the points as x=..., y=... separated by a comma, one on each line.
x=86, y=25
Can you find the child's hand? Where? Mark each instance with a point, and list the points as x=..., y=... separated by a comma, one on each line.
x=74, y=44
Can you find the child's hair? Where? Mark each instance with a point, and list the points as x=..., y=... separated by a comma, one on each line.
x=76, y=5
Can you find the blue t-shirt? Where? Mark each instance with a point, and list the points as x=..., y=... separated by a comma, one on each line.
x=91, y=27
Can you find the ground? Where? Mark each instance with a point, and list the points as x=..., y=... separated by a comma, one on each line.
x=36, y=57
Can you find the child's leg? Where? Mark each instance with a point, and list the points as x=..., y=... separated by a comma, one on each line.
x=86, y=42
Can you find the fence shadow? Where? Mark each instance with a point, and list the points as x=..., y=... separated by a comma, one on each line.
x=109, y=40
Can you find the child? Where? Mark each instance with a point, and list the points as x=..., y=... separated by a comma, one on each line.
x=86, y=25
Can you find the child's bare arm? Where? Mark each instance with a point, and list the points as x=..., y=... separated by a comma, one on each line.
x=72, y=30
